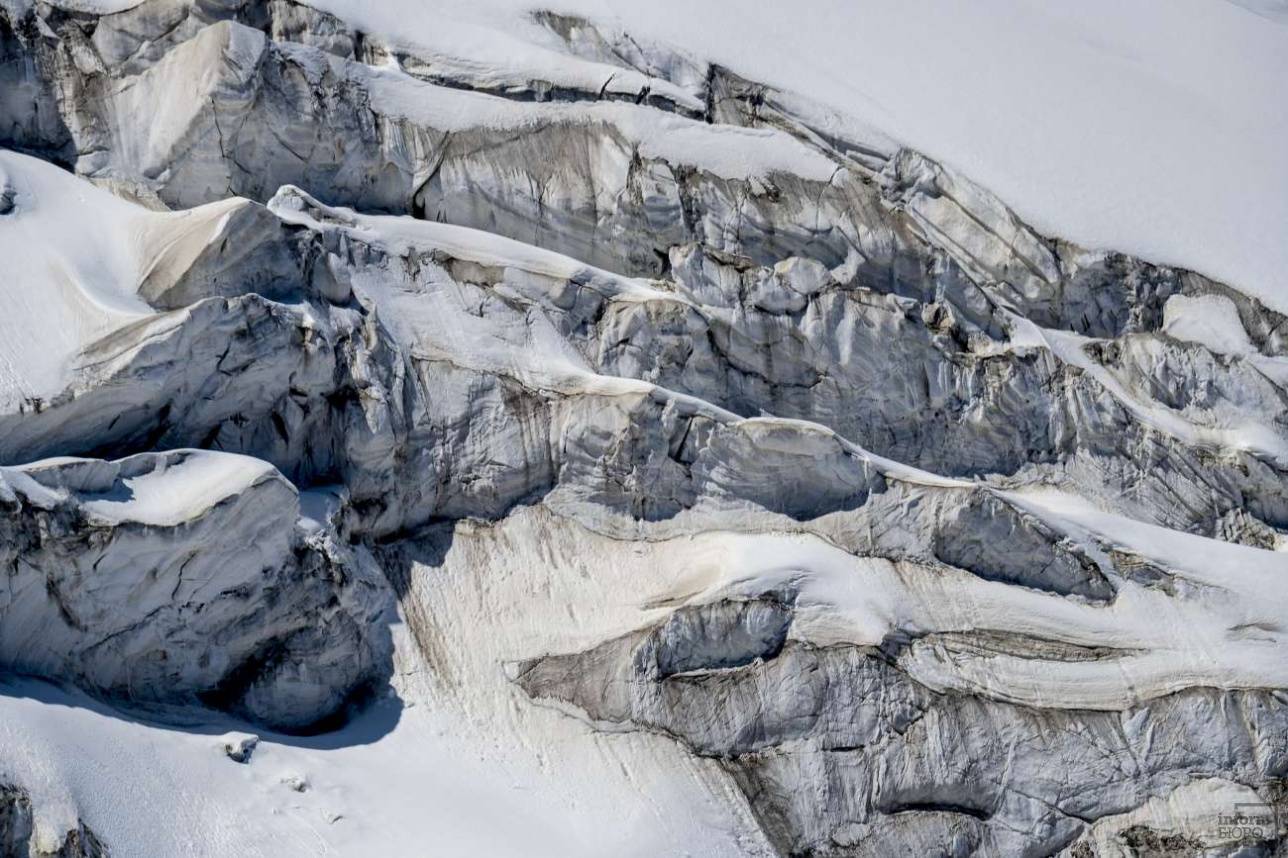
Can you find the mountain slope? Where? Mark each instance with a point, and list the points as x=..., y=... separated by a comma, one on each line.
x=547, y=440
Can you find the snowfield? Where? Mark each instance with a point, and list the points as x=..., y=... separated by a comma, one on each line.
x=1110, y=124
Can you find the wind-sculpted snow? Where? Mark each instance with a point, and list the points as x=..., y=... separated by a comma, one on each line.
x=767, y=486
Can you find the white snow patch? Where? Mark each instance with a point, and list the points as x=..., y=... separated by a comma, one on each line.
x=1272, y=10
x=180, y=488
x=75, y=257
x=429, y=779
x=1209, y=320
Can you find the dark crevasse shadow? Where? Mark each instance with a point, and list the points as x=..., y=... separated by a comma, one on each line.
x=367, y=720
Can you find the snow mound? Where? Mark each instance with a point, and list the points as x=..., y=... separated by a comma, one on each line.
x=77, y=259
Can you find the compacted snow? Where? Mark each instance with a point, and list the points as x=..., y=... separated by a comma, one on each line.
x=1154, y=127
x=415, y=781
x=76, y=257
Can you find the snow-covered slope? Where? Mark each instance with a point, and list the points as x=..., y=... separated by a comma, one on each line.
x=83, y=264
x=462, y=429
x=1151, y=126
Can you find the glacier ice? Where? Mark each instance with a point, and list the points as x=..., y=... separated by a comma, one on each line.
x=583, y=434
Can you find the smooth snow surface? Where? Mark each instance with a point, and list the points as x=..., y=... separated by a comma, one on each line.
x=75, y=257
x=1155, y=127
x=69, y=269
x=1209, y=320
x=1271, y=10
x=180, y=487
x=455, y=772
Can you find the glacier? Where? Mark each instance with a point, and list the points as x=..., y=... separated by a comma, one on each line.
x=474, y=429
